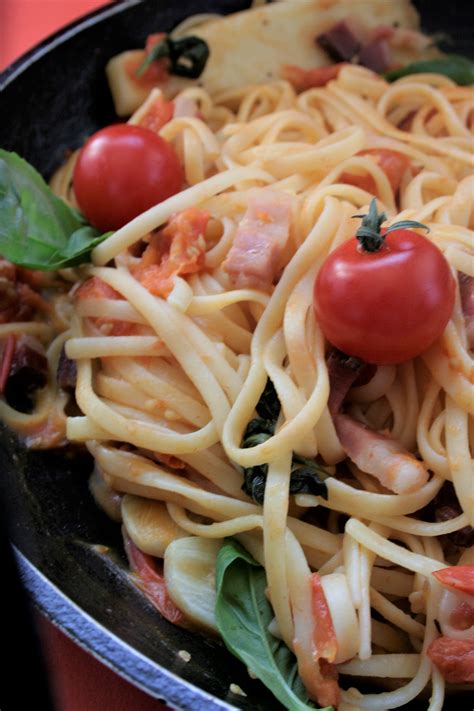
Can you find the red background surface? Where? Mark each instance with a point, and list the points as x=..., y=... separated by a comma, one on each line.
x=78, y=681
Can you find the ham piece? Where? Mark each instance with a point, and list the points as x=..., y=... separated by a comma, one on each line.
x=373, y=452
x=340, y=42
x=254, y=258
x=376, y=56
x=381, y=456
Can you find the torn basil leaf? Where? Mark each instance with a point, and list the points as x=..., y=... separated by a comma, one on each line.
x=243, y=614
x=268, y=407
x=459, y=69
x=37, y=229
x=307, y=476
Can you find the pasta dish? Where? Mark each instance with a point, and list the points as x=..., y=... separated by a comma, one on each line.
x=248, y=452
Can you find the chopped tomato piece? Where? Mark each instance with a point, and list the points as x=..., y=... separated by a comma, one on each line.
x=152, y=40
x=149, y=578
x=393, y=164
x=303, y=79
x=454, y=658
x=179, y=248
x=324, y=634
x=316, y=670
x=156, y=73
x=319, y=676
x=157, y=114
x=459, y=577
x=95, y=288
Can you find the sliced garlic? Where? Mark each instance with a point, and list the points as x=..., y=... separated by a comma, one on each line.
x=190, y=567
x=105, y=497
x=344, y=618
x=149, y=524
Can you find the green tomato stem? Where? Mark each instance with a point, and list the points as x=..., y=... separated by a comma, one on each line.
x=369, y=233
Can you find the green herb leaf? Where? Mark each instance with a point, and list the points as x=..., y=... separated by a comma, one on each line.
x=268, y=406
x=255, y=479
x=369, y=233
x=187, y=55
x=307, y=477
x=37, y=229
x=459, y=69
x=243, y=614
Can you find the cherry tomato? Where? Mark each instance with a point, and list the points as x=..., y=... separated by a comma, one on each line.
x=385, y=306
x=122, y=171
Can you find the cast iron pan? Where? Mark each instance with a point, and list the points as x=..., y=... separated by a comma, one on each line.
x=50, y=100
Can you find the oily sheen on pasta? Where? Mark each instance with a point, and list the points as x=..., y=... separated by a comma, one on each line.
x=184, y=383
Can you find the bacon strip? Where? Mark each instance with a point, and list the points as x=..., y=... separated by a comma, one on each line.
x=373, y=452
x=343, y=371
x=381, y=456
x=261, y=236
x=376, y=55
x=66, y=374
x=340, y=41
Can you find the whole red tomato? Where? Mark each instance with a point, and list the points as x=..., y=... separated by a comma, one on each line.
x=123, y=170
x=387, y=305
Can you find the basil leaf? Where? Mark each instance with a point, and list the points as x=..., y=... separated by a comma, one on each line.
x=243, y=614
x=459, y=69
x=268, y=406
x=257, y=432
x=187, y=55
x=255, y=479
x=37, y=229
x=307, y=477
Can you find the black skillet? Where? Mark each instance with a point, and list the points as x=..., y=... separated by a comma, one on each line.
x=50, y=100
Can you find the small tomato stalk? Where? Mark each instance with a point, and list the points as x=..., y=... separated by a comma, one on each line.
x=370, y=236
x=385, y=295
